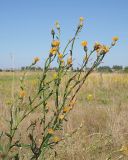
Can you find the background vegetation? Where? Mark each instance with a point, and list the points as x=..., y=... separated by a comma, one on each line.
x=101, y=107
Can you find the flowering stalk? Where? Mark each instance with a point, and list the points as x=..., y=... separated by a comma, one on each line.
x=47, y=89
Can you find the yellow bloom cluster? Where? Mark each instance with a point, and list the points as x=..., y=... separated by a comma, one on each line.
x=56, y=139
x=101, y=49
x=66, y=109
x=54, y=49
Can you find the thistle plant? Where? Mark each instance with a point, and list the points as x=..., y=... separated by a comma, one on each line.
x=51, y=119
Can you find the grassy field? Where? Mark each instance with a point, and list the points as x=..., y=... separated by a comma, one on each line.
x=102, y=108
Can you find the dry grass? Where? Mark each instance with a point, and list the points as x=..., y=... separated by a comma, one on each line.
x=104, y=117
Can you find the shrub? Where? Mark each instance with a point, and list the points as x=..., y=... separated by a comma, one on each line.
x=51, y=119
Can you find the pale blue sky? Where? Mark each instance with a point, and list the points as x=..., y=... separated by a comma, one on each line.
x=25, y=28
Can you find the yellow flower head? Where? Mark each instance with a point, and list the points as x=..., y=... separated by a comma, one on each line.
x=81, y=19
x=84, y=43
x=97, y=46
x=53, y=50
x=22, y=94
x=60, y=56
x=61, y=117
x=104, y=49
x=56, y=139
x=124, y=150
x=89, y=97
x=55, y=43
x=69, y=60
x=115, y=39
x=55, y=76
x=66, y=109
x=36, y=59
x=50, y=131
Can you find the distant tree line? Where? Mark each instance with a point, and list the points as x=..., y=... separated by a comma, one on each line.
x=36, y=68
x=115, y=68
x=105, y=69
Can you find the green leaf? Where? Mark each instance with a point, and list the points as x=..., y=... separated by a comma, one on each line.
x=25, y=145
x=1, y=148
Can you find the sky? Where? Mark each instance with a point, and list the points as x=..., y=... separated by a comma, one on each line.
x=25, y=27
